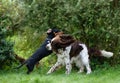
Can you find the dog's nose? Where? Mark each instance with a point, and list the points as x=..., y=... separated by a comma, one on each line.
x=47, y=47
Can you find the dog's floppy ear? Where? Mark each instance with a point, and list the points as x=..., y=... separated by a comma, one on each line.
x=77, y=48
x=66, y=38
x=58, y=33
x=56, y=45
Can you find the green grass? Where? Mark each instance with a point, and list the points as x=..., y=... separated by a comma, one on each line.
x=111, y=75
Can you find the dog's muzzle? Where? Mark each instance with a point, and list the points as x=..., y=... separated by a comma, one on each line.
x=48, y=46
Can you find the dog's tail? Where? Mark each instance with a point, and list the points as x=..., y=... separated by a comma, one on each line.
x=106, y=53
x=97, y=52
x=21, y=60
x=19, y=66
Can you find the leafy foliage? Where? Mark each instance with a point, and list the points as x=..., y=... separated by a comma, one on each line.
x=6, y=51
x=6, y=47
x=94, y=22
x=27, y=41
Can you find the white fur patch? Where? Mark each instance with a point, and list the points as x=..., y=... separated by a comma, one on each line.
x=81, y=60
x=106, y=53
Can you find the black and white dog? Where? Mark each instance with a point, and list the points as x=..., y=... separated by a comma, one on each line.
x=41, y=52
x=70, y=51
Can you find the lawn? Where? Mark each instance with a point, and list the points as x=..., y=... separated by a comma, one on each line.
x=110, y=75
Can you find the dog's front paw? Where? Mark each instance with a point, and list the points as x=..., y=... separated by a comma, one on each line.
x=49, y=72
x=67, y=72
x=81, y=70
x=88, y=72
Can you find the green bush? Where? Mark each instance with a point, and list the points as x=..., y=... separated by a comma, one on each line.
x=27, y=41
x=6, y=47
x=94, y=22
x=6, y=51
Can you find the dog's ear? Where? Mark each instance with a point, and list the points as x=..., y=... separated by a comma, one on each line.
x=56, y=45
x=58, y=33
x=66, y=38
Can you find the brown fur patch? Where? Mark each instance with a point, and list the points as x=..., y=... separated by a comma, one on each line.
x=75, y=49
x=94, y=52
x=61, y=42
x=20, y=59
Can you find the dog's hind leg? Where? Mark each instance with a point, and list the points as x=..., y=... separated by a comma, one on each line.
x=85, y=61
x=85, y=58
x=30, y=68
x=88, y=68
x=80, y=65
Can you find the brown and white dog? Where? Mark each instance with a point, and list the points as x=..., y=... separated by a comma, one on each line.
x=70, y=51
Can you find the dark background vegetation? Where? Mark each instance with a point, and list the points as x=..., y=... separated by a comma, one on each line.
x=23, y=24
